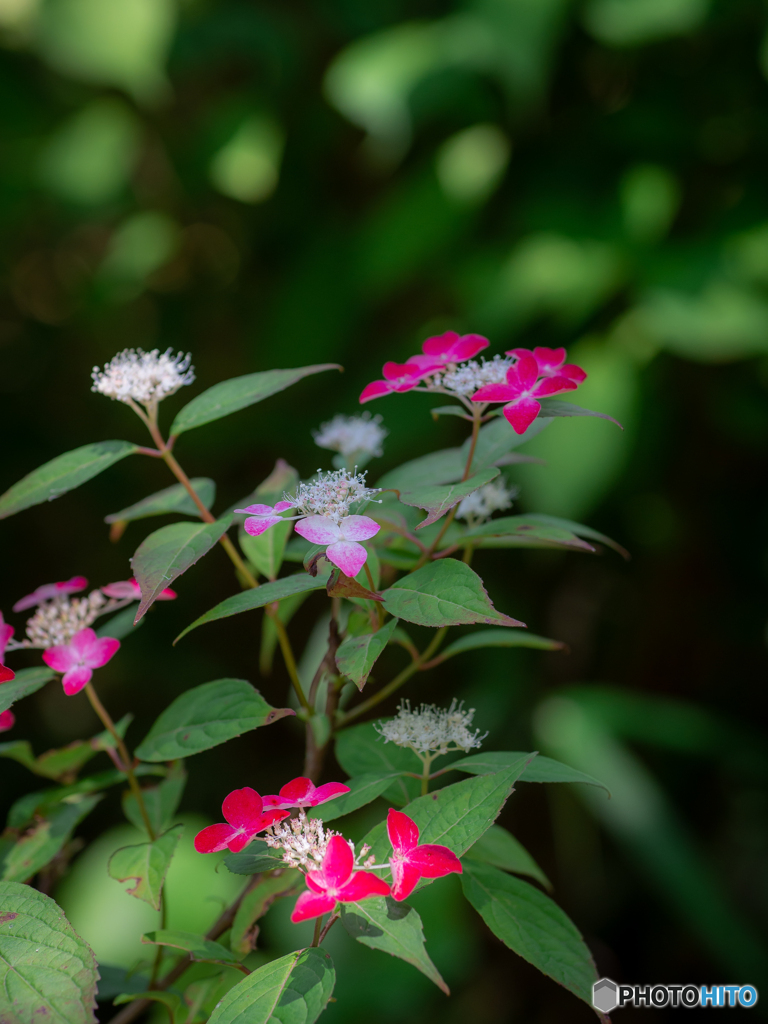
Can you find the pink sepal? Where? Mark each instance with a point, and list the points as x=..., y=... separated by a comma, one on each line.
x=48, y=591
x=494, y=393
x=318, y=530
x=74, y=680
x=521, y=413
x=376, y=389
x=361, y=885
x=7, y=720
x=255, y=526
x=348, y=555
x=6, y=632
x=410, y=862
x=358, y=528
x=338, y=864
x=328, y=792
x=214, y=838
x=6, y=674
x=311, y=904
x=242, y=806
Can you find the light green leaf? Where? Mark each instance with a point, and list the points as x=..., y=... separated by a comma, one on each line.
x=266, y=552
x=257, y=597
x=362, y=790
x=198, y=947
x=357, y=654
x=160, y=801
x=46, y=970
x=146, y=865
x=443, y=593
x=254, y=861
x=500, y=849
x=294, y=989
x=170, y=499
x=531, y=925
x=394, y=928
x=556, y=407
x=525, y=532
x=40, y=845
x=255, y=904
x=205, y=716
x=238, y=393
x=499, y=638
x=168, y=552
x=542, y=769
x=27, y=681
x=436, y=500
x=63, y=474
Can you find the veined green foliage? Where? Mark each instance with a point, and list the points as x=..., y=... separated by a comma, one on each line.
x=357, y=655
x=170, y=499
x=37, y=847
x=27, y=681
x=145, y=865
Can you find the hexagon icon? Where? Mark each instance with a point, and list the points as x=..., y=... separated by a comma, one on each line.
x=605, y=995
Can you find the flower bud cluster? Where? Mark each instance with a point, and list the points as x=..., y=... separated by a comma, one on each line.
x=352, y=435
x=332, y=494
x=146, y=377
x=432, y=730
x=304, y=842
x=56, y=622
x=482, y=503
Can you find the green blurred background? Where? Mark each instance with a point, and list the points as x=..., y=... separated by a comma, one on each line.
x=273, y=184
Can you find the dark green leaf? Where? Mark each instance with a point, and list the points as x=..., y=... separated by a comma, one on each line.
x=556, y=407
x=63, y=474
x=27, y=681
x=257, y=597
x=160, y=801
x=450, y=410
x=170, y=499
x=121, y=625
x=394, y=928
x=40, y=845
x=496, y=439
x=146, y=865
x=294, y=989
x=47, y=972
x=199, y=948
x=259, y=857
x=205, y=716
x=441, y=467
x=542, y=769
x=362, y=790
x=500, y=849
x=115, y=980
x=531, y=925
x=499, y=638
x=361, y=750
x=525, y=532
x=443, y=593
x=256, y=903
x=357, y=654
x=579, y=530
x=168, y=552
x=238, y=393
x=266, y=551
x=286, y=609
x=170, y=1000
x=436, y=500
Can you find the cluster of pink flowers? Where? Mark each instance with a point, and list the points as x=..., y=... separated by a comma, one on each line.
x=445, y=366
x=332, y=872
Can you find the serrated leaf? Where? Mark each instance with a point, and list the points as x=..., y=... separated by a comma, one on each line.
x=500, y=849
x=255, y=904
x=40, y=845
x=63, y=474
x=238, y=393
x=531, y=925
x=357, y=655
x=394, y=928
x=47, y=972
x=542, y=769
x=499, y=638
x=443, y=593
x=254, y=860
x=361, y=750
x=257, y=597
x=436, y=500
x=525, y=532
x=160, y=801
x=206, y=716
x=294, y=989
x=146, y=865
x=170, y=499
x=362, y=790
x=198, y=947
x=557, y=407
x=168, y=552
x=27, y=681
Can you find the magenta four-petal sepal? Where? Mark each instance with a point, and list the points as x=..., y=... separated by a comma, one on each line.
x=7, y=720
x=263, y=516
x=342, y=539
x=410, y=861
x=302, y=792
x=244, y=812
x=450, y=348
x=77, y=659
x=6, y=632
x=521, y=392
x=336, y=882
x=551, y=362
x=397, y=377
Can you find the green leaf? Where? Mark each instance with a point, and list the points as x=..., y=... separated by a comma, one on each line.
x=121, y=625
x=361, y=750
x=525, y=532
x=170, y=499
x=443, y=593
x=257, y=597
x=282, y=478
x=170, y=1000
x=146, y=865
x=255, y=904
x=160, y=801
x=450, y=410
x=238, y=393
x=254, y=861
x=266, y=552
x=40, y=845
x=206, y=716
x=362, y=790
x=500, y=849
x=394, y=928
x=441, y=467
x=542, y=769
x=499, y=638
x=357, y=654
x=496, y=439
x=47, y=972
x=294, y=989
x=437, y=500
x=168, y=552
x=63, y=474
x=531, y=925
x=27, y=681
x=579, y=530
x=556, y=407
x=198, y=947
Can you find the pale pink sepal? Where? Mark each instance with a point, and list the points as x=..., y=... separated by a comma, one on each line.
x=85, y=651
x=130, y=589
x=50, y=590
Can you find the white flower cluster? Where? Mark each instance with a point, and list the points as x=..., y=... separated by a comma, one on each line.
x=304, y=842
x=352, y=435
x=143, y=376
x=332, y=494
x=432, y=730
x=466, y=378
x=56, y=622
x=482, y=503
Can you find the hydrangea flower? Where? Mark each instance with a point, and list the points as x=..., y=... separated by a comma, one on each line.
x=49, y=591
x=303, y=792
x=360, y=436
x=130, y=590
x=7, y=720
x=551, y=363
x=147, y=377
x=336, y=882
x=342, y=538
x=430, y=730
x=520, y=392
x=6, y=632
x=77, y=659
x=245, y=816
x=449, y=348
x=263, y=516
x=333, y=494
x=411, y=862
x=398, y=377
